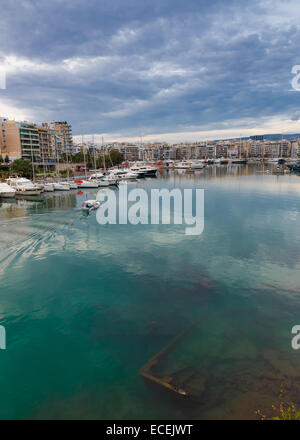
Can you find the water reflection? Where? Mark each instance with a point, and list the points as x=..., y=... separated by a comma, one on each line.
x=87, y=306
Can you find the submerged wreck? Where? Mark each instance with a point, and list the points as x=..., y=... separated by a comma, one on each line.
x=185, y=382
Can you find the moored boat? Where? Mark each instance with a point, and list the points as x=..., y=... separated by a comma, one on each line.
x=6, y=190
x=24, y=186
x=88, y=183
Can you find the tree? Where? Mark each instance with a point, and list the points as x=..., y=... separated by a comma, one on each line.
x=1, y=159
x=116, y=157
x=21, y=167
x=6, y=160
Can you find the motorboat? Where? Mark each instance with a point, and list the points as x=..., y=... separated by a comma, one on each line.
x=72, y=185
x=90, y=205
x=6, y=190
x=130, y=175
x=97, y=176
x=39, y=186
x=109, y=180
x=197, y=165
x=144, y=170
x=24, y=186
x=125, y=174
x=88, y=183
x=61, y=186
x=49, y=187
x=182, y=165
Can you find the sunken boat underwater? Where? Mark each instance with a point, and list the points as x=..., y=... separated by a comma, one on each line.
x=186, y=381
x=227, y=369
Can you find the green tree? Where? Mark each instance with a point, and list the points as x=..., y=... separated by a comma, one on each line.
x=6, y=160
x=116, y=157
x=21, y=167
x=1, y=159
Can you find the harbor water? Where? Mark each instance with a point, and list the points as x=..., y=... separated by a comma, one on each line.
x=85, y=306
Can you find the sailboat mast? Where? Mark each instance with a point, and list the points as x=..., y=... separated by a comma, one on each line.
x=103, y=155
x=84, y=158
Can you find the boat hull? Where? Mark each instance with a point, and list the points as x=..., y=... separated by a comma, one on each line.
x=28, y=192
x=7, y=195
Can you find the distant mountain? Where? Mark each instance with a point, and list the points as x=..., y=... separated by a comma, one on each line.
x=276, y=137
x=269, y=137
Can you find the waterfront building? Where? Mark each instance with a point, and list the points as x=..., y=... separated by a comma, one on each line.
x=64, y=134
x=130, y=151
x=46, y=144
x=257, y=149
x=10, y=143
x=39, y=143
x=30, y=143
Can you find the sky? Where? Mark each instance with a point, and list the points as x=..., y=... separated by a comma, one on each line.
x=161, y=70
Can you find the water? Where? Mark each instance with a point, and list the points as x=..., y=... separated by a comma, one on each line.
x=86, y=306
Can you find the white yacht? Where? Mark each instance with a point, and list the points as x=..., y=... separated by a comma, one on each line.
x=6, y=190
x=197, y=165
x=61, y=186
x=109, y=180
x=72, y=185
x=130, y=175
x=24, y=186
x=87, y=183
x=97, y=176
x=125, y=174
x=182, y=165
x=144, y=170
x=48, y=187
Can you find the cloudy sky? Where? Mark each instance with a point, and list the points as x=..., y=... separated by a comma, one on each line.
x=162, y=69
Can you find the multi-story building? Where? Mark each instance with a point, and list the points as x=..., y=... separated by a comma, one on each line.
x=30, y=143
x=38, y=143
x=46, y=152
x=257, y=149
x=10, y=144
x=130, y=151
x=64, y=135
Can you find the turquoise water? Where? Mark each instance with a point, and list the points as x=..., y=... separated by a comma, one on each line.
x=86, y=306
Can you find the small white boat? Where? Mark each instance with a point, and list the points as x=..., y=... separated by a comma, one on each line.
x=144, y=170
x=90, y=205
x=197, y=165
x=24, y=186
x=182, y=165
x=61, y=186
x=6, y=190
x=103, y=183
x=130, y=175
x=87, y=183
x=49, y=187
x=39, y=186
x=109, y=180
x=72, y=185
x=97, y=176
x=124, y=174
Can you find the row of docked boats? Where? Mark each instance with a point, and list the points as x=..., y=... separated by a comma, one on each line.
x=15, y=186
x=202, y=163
